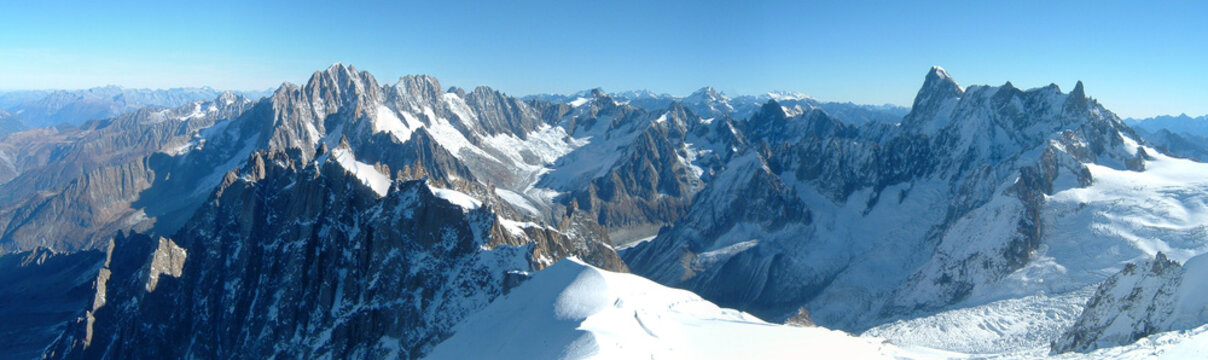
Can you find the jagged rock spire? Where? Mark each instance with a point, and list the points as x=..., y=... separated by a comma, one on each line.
x=938, y=88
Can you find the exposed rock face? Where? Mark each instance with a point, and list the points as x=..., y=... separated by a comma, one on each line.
x=302, y=260
x=501, y=114
x=645, y=167
x=1145, y=298
x=168, y=259
x=655, y=178
x=731, y=270
x=74, y=187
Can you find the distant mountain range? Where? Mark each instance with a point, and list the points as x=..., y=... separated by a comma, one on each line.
x=709, y=103
x=1181, y=135
x=1181, y=124
x=42, y=108
x=346, y=218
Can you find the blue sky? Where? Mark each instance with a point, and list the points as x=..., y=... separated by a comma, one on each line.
x=1138, y=58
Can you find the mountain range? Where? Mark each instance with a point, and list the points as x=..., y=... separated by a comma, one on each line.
x=28, y=109
x=708, y=102
x=1182, y=135
x=347, y=218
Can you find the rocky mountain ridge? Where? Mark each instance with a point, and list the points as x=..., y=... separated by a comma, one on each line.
x=1143, y=299
x=292, y=258
x=895, y=220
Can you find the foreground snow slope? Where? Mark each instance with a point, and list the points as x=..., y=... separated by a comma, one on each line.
x=1190, y=344
x=575, y=311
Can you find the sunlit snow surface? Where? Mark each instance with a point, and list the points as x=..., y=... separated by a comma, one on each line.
x=1123, y=217
x=1190, y=344
x=388, y=121
x=1090, y=233
x=457, y=198
x=1005, y=326
x=575, y=311
x=370, y=176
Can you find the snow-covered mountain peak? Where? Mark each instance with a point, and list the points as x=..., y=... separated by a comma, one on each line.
x=786, y=95
x=706, y=94
x=640, y=94
x=939, y=80
x=939, y=72
x=228, y=98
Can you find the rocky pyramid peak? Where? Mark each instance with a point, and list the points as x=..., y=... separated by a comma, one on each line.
x=937, y=87
x=938, y=72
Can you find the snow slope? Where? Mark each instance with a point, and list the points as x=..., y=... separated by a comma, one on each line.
x=575, y=311
x=376, y=180
x=456, y=198
x=1004, y=326
x=1164, y=208
x=1124, y=216
x=1190, y=344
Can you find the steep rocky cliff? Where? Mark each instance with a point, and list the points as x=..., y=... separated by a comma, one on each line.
x=310, y=260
